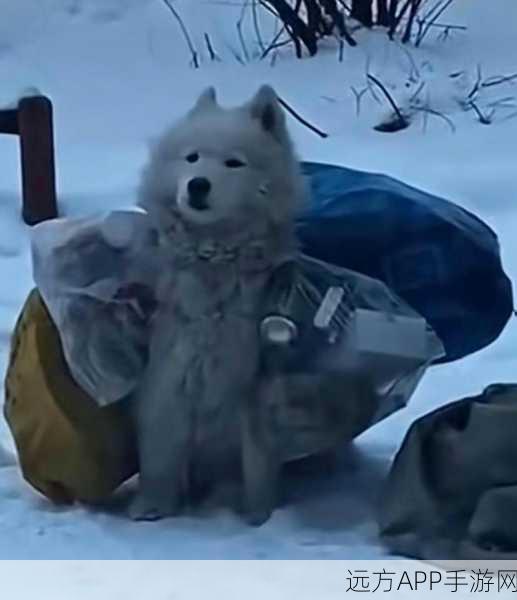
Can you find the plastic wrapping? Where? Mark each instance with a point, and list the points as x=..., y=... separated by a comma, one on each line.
x=345, y=323
x=97, y=278
x=321, y=323
x=440, y=258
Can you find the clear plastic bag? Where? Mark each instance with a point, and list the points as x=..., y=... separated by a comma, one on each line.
x=339, y=325
x=97, y=278
x=323, y=327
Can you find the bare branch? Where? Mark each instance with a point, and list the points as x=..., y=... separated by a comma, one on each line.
x=239, y=30
x=414, y=74
x=295, y=26
x=338, y=20
x=432, y=20
x=210, y=48
x=292, y=112
x=511, y=116
x=192, y=48
x=273, y=44
x=341, y=51
x=358, y=94
x=235, y=54
x=396, y=19
x=369, y=83
x=417, y=93
x=256, y=25
x=498, y=80
x=415, y=7
x=485, y=119
x=388, y=97
x=508, y=102
x=477, y=84
x=436, y=113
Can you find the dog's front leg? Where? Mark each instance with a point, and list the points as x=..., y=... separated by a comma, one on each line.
x=260, y=454
x=163, y=423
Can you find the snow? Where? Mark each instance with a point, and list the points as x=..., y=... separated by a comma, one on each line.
x=118, y=72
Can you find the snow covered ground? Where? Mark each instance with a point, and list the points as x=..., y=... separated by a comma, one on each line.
x=117, y=71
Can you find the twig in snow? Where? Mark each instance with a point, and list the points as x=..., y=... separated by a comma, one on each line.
x=293, y=113
x=415, y=7
x=296, y=27
x=485, y=119
x=510, y=116
x=239, y=30
x=429, y=111
x=256, y=25
x=498, y=80
x=396, y=19
x=358, y=94
x=417, y=93
x=341, y=52
x=369, y=83
x=432, y=18
x=192, y=48
x=210, y=48
x=400, y=117
x=414, y=73
x=274, y=43
x=508, y=102
x=337, y=19
x=477, y=84
x=235, y=54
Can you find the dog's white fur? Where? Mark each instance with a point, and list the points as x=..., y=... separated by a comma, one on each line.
x=205, y=393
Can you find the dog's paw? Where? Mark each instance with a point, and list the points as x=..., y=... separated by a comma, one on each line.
x=143, y=508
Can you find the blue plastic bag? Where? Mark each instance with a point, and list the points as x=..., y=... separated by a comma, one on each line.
x=438, y=257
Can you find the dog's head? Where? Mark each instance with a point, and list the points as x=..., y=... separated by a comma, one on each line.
x=224, y=167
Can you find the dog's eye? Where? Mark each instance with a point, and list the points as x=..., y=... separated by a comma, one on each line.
x=192, y=158
x=234, y=163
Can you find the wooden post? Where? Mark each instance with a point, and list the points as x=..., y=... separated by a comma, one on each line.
x=35, y=128
x=9, y=121
x=32, y=121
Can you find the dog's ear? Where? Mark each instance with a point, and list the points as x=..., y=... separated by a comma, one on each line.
x=207, y=101
x=266, y=108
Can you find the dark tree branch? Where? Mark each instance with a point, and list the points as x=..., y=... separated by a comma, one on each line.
x=388, y=97
x=210, y=48
x=292, y=112
x=239, y=30
x=338, y=20
x=362, y=12
x=295, y=25
x=475, y=89
x=484, y=119
x=415, y=7
x=498, y=80
x=314, y=16
x=256, y=25
x=382, y=13
x=397, y=18
x=432, y=20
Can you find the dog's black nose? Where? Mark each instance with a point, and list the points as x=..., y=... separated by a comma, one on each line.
x=198, y=189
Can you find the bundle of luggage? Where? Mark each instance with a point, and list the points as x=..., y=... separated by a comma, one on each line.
x=390, y=281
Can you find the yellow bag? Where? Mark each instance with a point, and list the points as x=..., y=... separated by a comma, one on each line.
x=69, y=448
